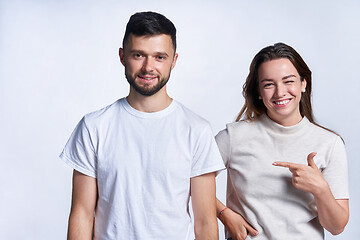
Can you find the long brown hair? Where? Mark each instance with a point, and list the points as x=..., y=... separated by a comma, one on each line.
x=254, y=107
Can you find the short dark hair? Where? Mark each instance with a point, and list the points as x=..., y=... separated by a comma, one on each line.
x=149, y=23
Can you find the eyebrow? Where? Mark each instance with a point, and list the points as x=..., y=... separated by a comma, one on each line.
x=155, y=53
x=288, y=76
x=161, y=54
x=284, y=78
x=266, y=80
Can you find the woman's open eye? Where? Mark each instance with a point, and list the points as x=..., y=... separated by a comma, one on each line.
x=268, y=85
x=289, y=81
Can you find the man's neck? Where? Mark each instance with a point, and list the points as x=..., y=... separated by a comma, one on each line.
x=157, y=102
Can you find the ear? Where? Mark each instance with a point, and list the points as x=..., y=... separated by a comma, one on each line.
x=174, y=61
x=303, y=84
x=121, y=55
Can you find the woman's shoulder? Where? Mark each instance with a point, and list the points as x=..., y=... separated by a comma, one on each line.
x=244, y=127
x=324, y=135
x=319, y=130
x=242, y=124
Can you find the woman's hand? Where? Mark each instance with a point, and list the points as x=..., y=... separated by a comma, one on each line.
x=333, y=213
x=307, y=178
x=236, y=225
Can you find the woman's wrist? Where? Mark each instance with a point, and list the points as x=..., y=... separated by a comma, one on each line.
x=222, y=212
x=222, y=215
x=322, y=191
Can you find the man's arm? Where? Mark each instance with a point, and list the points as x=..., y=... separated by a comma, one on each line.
x=203, y=197
x=84, y=197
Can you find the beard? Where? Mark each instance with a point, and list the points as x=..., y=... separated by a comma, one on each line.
x=146, y=89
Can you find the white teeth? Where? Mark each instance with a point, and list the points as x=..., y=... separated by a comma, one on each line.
x=282, y=102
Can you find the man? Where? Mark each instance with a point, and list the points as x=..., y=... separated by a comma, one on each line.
x=137, y=161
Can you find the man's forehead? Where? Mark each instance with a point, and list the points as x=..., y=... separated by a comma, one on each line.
x=150, y=41
x=164, y=37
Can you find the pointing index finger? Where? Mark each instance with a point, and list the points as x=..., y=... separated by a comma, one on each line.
x=287, y=165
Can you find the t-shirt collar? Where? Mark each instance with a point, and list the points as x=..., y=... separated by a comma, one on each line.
x=141, y=114
x=300, y=127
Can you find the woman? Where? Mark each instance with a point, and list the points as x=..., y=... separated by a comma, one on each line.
x=287, y=175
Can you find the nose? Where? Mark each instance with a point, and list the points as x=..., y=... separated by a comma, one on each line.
x=280, y=90
x=148, y=65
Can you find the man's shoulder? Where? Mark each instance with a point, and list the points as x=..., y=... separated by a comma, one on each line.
x=190, y=116
x=104, y=114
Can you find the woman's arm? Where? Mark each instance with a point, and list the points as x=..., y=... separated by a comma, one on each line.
x=233, y=222
x=333, y=214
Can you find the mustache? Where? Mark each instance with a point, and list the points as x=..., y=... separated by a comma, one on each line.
x=148, y=74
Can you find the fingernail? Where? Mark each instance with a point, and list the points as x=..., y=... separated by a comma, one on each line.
x=274, y=163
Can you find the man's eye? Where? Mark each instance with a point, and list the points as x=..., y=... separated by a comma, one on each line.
x=161, y=57
x=137, y=55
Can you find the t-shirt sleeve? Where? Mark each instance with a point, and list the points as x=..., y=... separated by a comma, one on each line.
x=207, y=158
x=223, y=142
x=336, y=171
x=79, y=151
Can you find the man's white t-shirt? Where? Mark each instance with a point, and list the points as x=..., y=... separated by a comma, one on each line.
x=143, y=163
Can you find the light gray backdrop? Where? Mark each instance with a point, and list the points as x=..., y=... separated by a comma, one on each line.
x=58, y=61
